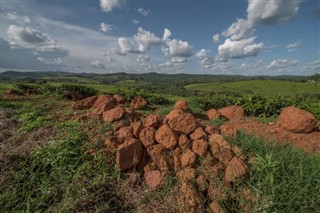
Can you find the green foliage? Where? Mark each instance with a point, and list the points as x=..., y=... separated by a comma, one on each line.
x=32, y=120
x=286, y=179
x=24, y=86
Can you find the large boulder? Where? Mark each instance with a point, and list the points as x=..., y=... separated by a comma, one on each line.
x=297, y=120
x=129, y=154
x=113, y=114
x=183, y=123
x=231, y=112
x=86, y=103
x=138, y=103
x=166, y=137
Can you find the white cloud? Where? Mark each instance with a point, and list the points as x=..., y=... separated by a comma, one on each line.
x=282, y=64
x=205, y=60
x=135, y=21
x=166, y=64
x=251, y=66
x=52, y=61
x=238, y=30
x=98, y=65
x=128, y=46
x=313, y=66
x=143, y=12
x=109, y=5
x=179, y=48
x=146, y=39
x=17, y=18
x=238, y=49
x=166, y=34
x=104, y=27
x=222, y=67
x=216, y=38
x=143, y=58
x=294, y=46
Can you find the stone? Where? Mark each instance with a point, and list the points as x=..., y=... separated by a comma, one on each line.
x=86, y=103
x=119, y=99
x=153, y=179
x=111, y=145
x=166, y=137
x=149, y=167
x=202, y=183
x=124, y=133
x=232, y=112
x=176, y=159
x=147, y=136
x=215, y=207
x=136, y=128
x=200, y=147
x=182, y=105
x=119, y=124
x=172, y=114
x=188, y=158
x=102, y=104
x=236, y=170
x=190, y=199
x=184, y=142
x=213, y=114
x=129, y=154
x=113, y=114
x=151, y=120
x=183, y=123
x=297, y=120
x=198, y=134
x=228, y=130
x=187, y=174
x=160, y=157
x=138, y=103
x=211, y=130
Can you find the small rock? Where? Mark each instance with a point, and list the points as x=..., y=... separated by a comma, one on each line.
x=211, y=130
x=202, y=183
x=297, y=120
x=190, y=199
x=111, y=145
x=102, y=104
x=149, y=167
x=183, y=123
x=113, y=114
x=228, y=130
x=198, y=134
x=232, y=112
x=188, y=158
x=119, y=99
x=153, y=179
x=124, y=133
x=151, y=120
x=187, y=174
x=166, y=137
x=159, y=155
x=138, y=103
x=176, y=159
x=200, y=147
x=184, y=142
x=136, y=128
x=147, y=136
x=215, y=207
x=213, y=114
x=236, y=169
x=129, y=154
x=182, y=105
x=119, y=124
x=85, y=103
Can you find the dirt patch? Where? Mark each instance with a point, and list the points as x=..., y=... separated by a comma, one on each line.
x=309, y=142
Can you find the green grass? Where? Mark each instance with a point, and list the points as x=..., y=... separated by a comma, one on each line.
x=286, y=179
x=260, y=87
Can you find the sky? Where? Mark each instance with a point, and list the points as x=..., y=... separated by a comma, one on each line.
x=232, y=37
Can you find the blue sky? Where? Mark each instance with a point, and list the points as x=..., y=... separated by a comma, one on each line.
x=253, y=37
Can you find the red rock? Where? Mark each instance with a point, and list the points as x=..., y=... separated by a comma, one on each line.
x=172, y=114
x=149, y=167
x=151, y=120
x=147, y=136
x=202, y=183
x=198, y=134
x=124, y=133
x=111, y=145
x=220, y=149
x=102, y=104
x=145, y=160
x=119, y=99
x=216, y=208
x=238, y=152
x=184, y=142
x=200, y=147
x=183, y=123
x=176, y=159
x=113, y=114
x=119, y=124
x=211, y=130
x=166, y=137
x=236, y=169
x=133, y=178
x=190, y=199
x=182, y=105
x=129, y=154
x=228, y=130
x=159, y=155
x=136, y=128
x=138, y=103
x=187, y=174
x=213, y=114
x=85, y=103
x=153, y=179
x=188, y=158
x=231, y=112
x=297, y=120
x=219, y=139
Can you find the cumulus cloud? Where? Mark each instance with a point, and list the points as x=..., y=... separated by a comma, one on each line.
x=282, y=64
x=205, y=60
x=179, y=48
x=294, y=46
x=17, y=18
x=128, y=46
x=166, y=34
x=52, y=61
x=104, y=27
x=216, y=38
x=238, y=30
x=143, y=12
x=109, y=5
x=146, y=39
x=251, y=65
x=135, y=21
x=222, y=67
x=98, y=65
x=143, y=58
x=238, y=49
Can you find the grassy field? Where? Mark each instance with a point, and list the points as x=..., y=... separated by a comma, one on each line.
x=260, y=87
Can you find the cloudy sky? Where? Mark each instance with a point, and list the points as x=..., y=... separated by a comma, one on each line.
x=246, y=37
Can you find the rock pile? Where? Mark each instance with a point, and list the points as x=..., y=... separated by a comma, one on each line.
x=177, y=144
